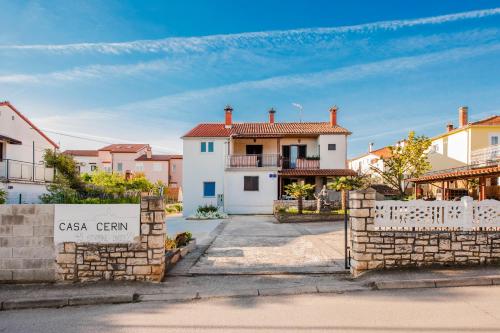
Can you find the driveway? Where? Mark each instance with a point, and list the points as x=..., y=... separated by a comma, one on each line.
x=256, y=245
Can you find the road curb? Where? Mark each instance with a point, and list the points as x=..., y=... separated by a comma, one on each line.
x=59, y=302
x=438, y=283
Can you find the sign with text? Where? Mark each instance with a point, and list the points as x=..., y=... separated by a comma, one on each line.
x=111, y=223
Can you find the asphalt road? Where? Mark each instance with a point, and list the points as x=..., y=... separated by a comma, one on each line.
x=465, y=309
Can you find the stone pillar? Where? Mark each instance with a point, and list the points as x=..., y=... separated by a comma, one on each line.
x=153, y=232
x=361, y=214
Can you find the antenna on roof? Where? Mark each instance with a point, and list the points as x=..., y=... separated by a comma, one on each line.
x=301, y=108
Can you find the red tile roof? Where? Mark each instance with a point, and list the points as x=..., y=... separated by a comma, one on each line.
x=23, y=117
x=459, y=173
x=383, y=152
x=265, y=129
x=158, y=157
x=317, y=172
x=125, y=147
x=493, y=120
x=81, y=152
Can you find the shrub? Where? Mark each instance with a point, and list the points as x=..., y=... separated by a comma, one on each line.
x=209, y=216
x=170, y=244
x=3, y=196
x=207, y=209
x=183, y=238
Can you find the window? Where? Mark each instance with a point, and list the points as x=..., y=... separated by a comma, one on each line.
x=207, y=147
x=251, y=183
x=119, y=167
x=156, y=166
x=332, y=146
x=174, y=167
x=494, y=139
x=139, y=167
x=209, y=189
x=93, y=167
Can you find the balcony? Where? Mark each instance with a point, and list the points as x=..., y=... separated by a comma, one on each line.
x=486, y=156
x=270, y=161
x=253, y=161
x=13, y=170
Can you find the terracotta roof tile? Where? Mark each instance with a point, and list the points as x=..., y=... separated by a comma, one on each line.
x=383, y=152
x=493, y=120
x=317, y=172
x=265, y=129
x=124, y=147
x=81, y=152
x=158, y=157
x=457, y=173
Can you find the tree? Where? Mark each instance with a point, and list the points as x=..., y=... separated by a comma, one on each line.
x=406, y=161
x=345, y=184
x=66, y=169
x=299, y=191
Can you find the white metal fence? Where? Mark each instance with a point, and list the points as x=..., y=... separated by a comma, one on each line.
x=437, y=215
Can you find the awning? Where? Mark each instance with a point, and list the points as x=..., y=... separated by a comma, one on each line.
x=457, y=173
x=10, y=140
x=317, y=172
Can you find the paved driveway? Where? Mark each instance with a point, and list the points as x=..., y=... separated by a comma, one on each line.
x=256, y=245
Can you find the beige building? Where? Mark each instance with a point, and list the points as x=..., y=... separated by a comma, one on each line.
x=464, y=160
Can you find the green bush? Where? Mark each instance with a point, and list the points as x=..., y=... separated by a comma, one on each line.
x=170, y=244
x=3, y=196
x=183, y=238
x=207, y=209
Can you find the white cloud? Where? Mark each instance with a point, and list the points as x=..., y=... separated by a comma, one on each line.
x=91, y=72
x=349, y=73
x=297, y=36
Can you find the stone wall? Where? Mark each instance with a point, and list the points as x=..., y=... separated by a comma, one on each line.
x=372, y=249
x=27, y=251
x=142, y=260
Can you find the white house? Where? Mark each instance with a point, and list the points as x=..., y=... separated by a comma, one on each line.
x=22, y=171
x=243, y=167
x=365, y=163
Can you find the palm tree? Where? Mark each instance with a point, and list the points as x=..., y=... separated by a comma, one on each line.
x=299, y=191
x=345, y=184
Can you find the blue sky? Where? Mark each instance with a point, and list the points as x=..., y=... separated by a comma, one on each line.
x=148, y=71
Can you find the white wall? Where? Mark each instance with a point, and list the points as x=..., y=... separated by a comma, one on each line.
x=198, y=167
x=13, y=126
x=333, y=159
x=29, y=192
x=238, y=201
x=85, y=163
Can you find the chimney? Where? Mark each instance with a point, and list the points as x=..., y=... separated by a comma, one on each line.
x=449, y=127
x=333, y=116
x=370, y=147
x=148, y=152
x=463, y=116
x=272, y=111
x=229, y=116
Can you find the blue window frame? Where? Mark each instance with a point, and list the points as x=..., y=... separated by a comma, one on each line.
x=209, y=189
x=203, y=147
x=210, y=147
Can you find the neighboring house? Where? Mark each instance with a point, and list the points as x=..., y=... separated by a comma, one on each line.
x=469, y=143
x=128, y=159
x=244, y=167
x=88, y=160
x=465, y=160
x=365, y=163
x=22, y=145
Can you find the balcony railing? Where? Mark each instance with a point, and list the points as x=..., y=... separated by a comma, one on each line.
x=253, y=161
x=270, y=160
x=486, y=156
x=25, y=171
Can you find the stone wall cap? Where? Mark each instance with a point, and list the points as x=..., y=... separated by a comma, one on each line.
x=368, y=190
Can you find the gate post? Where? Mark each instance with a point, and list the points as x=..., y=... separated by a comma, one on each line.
x=361, y=214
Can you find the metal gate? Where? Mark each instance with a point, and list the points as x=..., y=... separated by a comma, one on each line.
x=347, y=243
